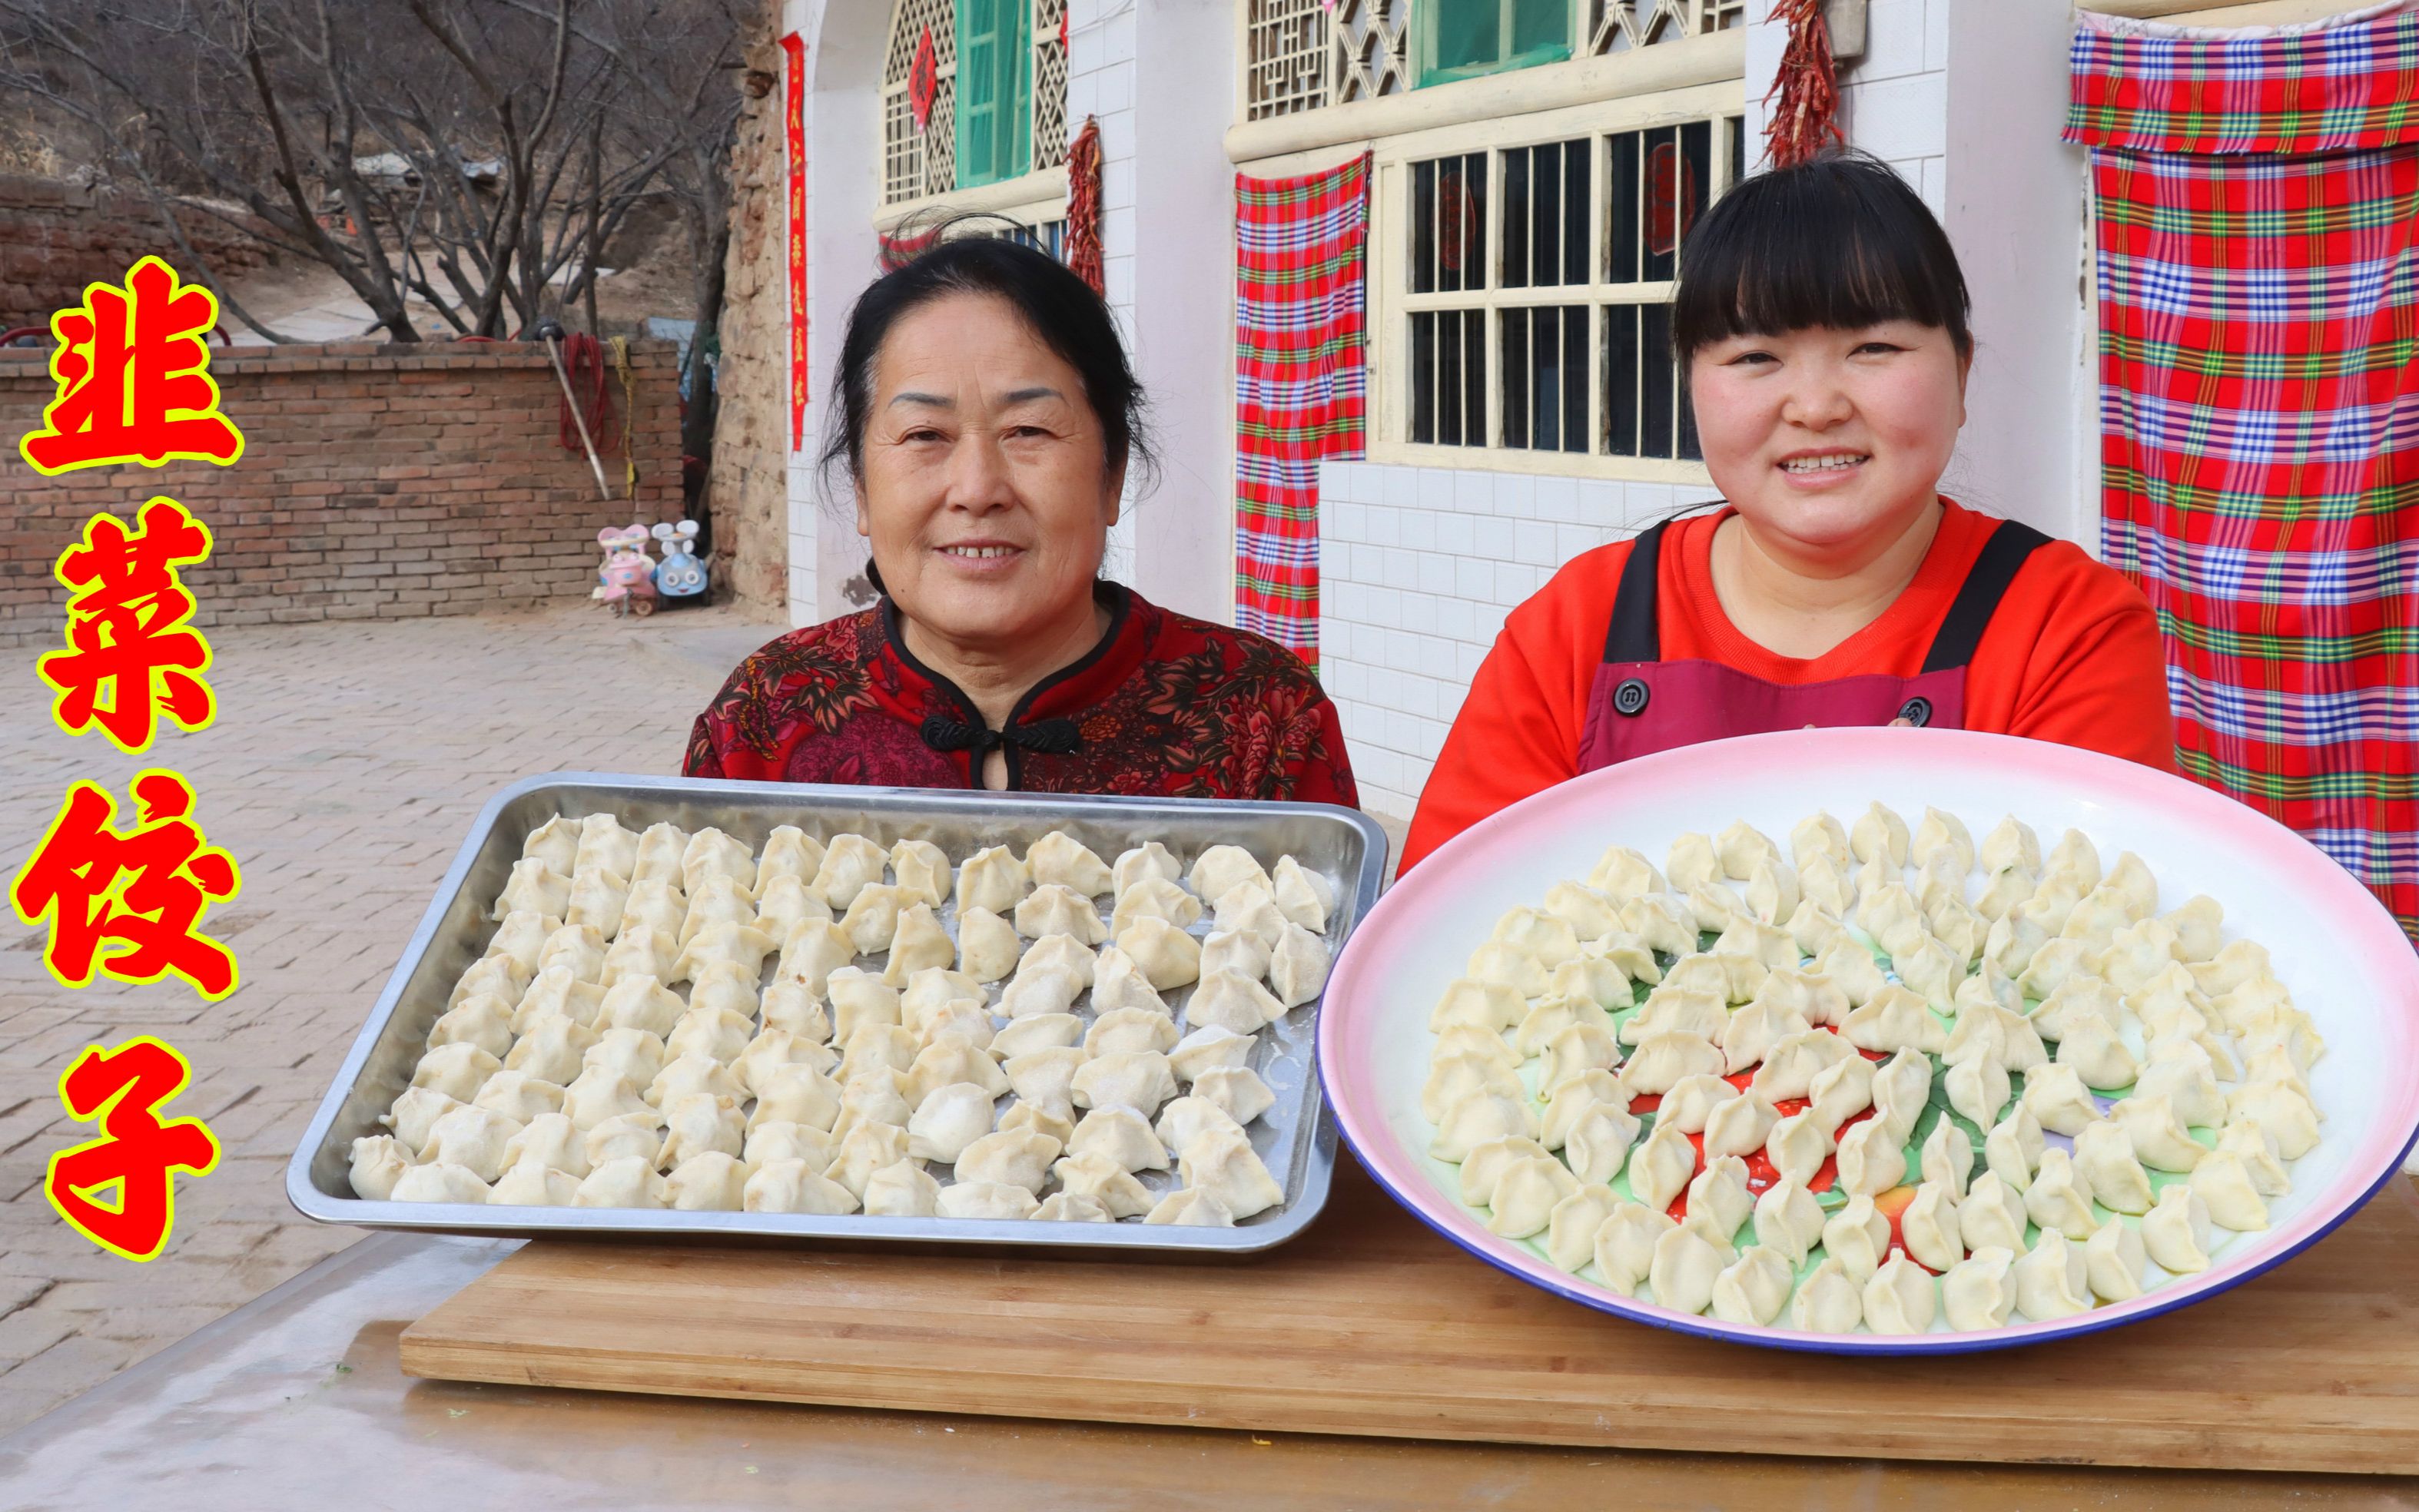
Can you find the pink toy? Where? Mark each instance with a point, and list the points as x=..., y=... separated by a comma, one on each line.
x=627, y=578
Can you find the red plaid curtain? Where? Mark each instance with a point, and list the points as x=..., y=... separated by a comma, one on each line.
x=2256, y=203
x=1300, y=381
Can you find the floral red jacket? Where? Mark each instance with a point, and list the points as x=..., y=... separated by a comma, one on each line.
x=1164, y=705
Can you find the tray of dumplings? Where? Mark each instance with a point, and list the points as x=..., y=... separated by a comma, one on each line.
x=668, y=1007
x=1878, y=1042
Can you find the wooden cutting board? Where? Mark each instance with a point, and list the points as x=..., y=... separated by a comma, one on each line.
x=1370, y=1324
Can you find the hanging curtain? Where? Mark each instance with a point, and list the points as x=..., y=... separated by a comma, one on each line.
x=2256, y=199
x=1301, y=380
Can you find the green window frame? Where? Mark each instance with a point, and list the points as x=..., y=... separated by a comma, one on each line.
x=994, y=119
x=1470, y=38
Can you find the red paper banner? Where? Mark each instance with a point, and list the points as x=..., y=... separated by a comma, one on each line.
x=794, y=120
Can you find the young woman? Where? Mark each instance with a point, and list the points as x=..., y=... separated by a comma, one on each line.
x=1821, y=319
x=985, y=412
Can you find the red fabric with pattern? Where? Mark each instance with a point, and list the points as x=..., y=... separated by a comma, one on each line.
x=1166, y=706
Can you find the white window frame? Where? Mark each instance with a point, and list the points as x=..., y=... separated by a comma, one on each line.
x=1390, y=304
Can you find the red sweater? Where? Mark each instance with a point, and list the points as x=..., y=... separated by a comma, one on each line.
x=2073, y=656
x=1165, y=705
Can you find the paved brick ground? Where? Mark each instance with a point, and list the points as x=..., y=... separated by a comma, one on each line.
x=345, y=767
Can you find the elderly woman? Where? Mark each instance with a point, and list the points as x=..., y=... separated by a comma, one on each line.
x=985, y=412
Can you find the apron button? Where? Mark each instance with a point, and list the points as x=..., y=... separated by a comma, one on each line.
x=1915, y=711
x=1630, y=696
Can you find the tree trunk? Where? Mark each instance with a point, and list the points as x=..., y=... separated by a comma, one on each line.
x=697, y=426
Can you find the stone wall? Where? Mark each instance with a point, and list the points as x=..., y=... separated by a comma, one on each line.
x=749, y=489
x=378, y=482
x=57, y=236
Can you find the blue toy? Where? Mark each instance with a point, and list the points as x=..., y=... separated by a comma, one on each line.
x=680, y=575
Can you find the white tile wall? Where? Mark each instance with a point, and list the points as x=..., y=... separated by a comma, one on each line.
x=1418, y=567
x=1894, y=99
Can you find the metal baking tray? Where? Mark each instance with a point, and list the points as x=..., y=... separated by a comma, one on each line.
x=1294, y=1137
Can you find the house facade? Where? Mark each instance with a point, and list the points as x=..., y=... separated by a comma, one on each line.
x=1532, y=164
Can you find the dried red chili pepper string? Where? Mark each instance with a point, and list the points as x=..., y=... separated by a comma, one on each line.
x=1084, y=207
x=1806, y=121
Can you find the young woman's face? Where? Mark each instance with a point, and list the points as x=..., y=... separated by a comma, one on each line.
x=987, y=495
x=1830, y=440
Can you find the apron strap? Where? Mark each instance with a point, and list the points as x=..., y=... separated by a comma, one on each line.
x=2003, y=555
x=1633, y=634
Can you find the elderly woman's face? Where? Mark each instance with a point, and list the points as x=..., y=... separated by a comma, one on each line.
x=987, y=494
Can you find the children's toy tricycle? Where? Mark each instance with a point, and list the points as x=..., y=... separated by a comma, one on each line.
x=626, y=582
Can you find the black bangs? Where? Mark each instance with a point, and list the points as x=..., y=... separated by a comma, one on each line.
x=1839, y=242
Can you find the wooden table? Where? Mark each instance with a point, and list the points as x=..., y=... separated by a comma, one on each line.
x=297, y=1401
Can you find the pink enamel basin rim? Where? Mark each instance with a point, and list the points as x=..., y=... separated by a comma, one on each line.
x=2333, y=945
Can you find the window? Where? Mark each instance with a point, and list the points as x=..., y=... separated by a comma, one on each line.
x=1303, y=54
x=1465, y=39
x=973, y=92
x=1537, y=282
x=1307, y=54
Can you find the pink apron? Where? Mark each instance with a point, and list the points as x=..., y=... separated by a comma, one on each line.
x=1641, y=704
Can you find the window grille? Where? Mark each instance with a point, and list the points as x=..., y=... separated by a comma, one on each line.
x=1286, y=57
x=1619, y=25
x=919, y=163
x=1372, y=41
x=1538, y=281
x=1049, y=83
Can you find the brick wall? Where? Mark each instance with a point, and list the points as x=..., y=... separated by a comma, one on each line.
x=378, y=482
x=57, y=236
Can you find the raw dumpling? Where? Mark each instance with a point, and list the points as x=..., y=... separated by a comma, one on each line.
x=1036, y=1032
x=1060, y=859
x=1992, y=1214
x=741, y=945
x=534, y=887
x=901, y=1189
x=1120, y=1135
x=1306, y=897
x=789, y=851
x=947, y=1121
x=1238, y=1089
x=1013, y=1157
x=623, y=1135
x=988, y=945
x=1045, y=1077
x=1148, y=859
x=1659, y=1169
x=988, y=1200
x=859, y=998
x=439, y=1184
x=497, y=975
x=725, y=988
x=1298, y=969
x=2060, y=1197
x=850, y=864
x=1688, y=1259
x=1220, y=868
x=1250, y=906
x=711, y=1182
x=686, y=1075
x=715, y=1033
x=920, y=942
x=656, y=856
x=799, y=1008
x=1753, y=1288
x=872, y=920
x=1948, y=1158
x=711, y=853
x=2112, y=1261
x=1104, y=1182
x=626, y=1182
x=472, y=1137
x=1827, y=1301
x=717, y=899
x=785, y=905
x=768, y=1142
x=2057, y=1100
x=945, y=1061
x=482, y=1019
x=556, y=842
x=1230, y=1001
x=1193, y=1209
x=1130, y=1028
x=549, y=1140
x=863, y=1151
x=1902, y=1298
x=1054, y=909
x=1240, y=952
x=1871, y=1159
x=1140, y=1080
x=1167, y=956
x=921, y=871
x=790, y=1186
x=1661, y=1060
x=520, y=1096
x=1625, y=1245
x=1880, y=833
x=797, y=1094
x=1789, y=1220
x=376, y=1163
x=1790, y=1065
x=1719, y=1194
x=699, y=1122
x=1858, y=1236
x=1839, y=1093
x=2222, y=1182
x=1929, y=1225
x=2051, y=1282
x=2104, y=1157
x=1154, y=897
x=530, y=1184
x=457, y=1070
x=1979, y=1292
x=1798, y=1144
x=598, y=1093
